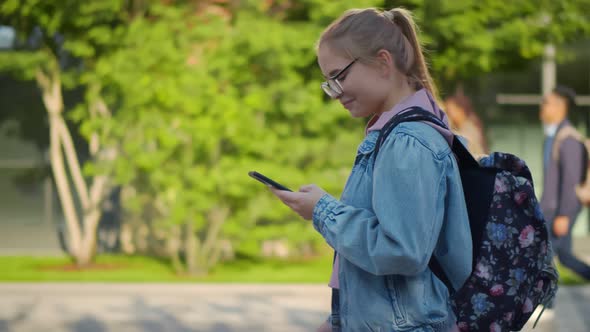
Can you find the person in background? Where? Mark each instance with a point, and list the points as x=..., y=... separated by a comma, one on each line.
x=465, y=122
x=400, y=206
x=564, y=168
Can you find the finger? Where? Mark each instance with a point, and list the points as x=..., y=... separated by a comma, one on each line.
x=276, y=192
x=286, y=196
x=279, y=194
x=307, y=188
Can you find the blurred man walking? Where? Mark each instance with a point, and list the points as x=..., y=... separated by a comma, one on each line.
x=564, y=164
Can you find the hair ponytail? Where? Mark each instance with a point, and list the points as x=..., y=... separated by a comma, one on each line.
x=418, y=72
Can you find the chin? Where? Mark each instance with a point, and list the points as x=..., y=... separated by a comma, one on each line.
x=355, y=113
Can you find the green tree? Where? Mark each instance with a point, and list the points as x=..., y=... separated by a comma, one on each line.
x=203, y=96
x=56, y=30
x=202, y=92
x=470, y=38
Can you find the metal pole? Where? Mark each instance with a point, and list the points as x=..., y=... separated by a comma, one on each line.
x=548, y=74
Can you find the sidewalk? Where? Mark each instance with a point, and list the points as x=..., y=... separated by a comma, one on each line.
x=571, y=312
x=572, y=308
x=161, y=307
x=91, y=307
x=96, y=307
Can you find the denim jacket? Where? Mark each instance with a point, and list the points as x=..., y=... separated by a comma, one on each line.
x=396, y=210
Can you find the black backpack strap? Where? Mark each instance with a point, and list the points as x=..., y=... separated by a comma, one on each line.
x=436, y=268
x=413, y=114
x=464, y=159
x=410, y=114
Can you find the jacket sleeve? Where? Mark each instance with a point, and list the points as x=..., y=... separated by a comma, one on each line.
x=399, y=234
x=571, y=168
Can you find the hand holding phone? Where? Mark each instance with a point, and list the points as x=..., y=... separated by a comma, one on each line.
x=302, y=202
x=267, y=181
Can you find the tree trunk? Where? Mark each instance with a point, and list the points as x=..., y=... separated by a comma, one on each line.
x=173, y=246
x=52, y=98
x=211, y=246
x=191, y=251
x=82, y=237
x=202, y=255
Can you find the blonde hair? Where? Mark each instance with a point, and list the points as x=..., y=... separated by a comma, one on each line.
x=361, y=33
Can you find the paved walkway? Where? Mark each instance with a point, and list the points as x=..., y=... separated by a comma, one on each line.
x=94, y=307
x=79, y=307
x=161, y=307
x=571, y=312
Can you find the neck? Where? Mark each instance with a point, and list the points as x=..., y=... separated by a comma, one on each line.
x=400, y=92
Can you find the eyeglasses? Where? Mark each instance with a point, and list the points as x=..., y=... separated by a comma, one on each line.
x=332, y=86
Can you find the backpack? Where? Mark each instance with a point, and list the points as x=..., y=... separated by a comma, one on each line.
x=582, y=189
x=512, y=267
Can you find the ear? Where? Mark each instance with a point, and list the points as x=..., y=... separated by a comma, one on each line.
x=385, y=62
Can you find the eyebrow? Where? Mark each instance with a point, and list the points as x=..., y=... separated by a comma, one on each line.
x=335, y=72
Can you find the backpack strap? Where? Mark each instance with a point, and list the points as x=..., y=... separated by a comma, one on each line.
x=464, y=159
x=413, y=114
x=564, y=133
x=409, y=114
x=569, y=131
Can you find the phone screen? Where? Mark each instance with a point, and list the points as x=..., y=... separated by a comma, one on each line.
x=267, y=181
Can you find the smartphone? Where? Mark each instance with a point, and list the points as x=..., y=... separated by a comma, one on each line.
x=267, y=181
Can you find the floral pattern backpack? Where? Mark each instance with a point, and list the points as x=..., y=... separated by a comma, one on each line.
x=513, y=270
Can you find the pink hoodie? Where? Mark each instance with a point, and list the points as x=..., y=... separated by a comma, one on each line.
x=422, y=98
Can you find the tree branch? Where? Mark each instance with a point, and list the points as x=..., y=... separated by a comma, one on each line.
x=74, y=164
x=63, y=187
x=217, y=216
x=42, y=80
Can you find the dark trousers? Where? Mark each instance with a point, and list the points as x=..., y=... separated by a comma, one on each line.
x=335, y=317
x=562, y=247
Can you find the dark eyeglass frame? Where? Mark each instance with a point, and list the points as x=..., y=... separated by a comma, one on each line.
x=332, y=86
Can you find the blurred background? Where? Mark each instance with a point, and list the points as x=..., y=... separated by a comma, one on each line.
x=128, y=127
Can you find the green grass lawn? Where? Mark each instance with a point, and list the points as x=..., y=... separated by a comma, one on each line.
x=117, y=268
x=567, y=277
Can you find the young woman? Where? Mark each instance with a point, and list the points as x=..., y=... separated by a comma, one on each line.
x=400, y=206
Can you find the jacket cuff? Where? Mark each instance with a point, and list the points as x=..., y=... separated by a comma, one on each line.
x=324, y=211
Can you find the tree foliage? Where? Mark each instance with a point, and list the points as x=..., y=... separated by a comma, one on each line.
x=48, y=33
x=201, y=92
